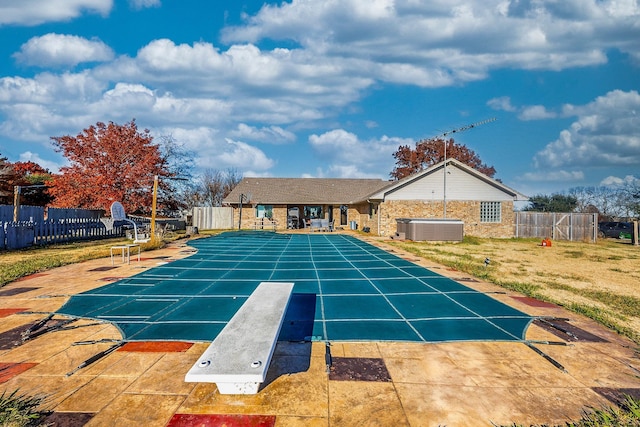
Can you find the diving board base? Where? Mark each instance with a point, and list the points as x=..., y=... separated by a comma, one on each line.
x=238, y=358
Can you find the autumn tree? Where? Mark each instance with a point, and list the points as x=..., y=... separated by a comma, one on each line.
x=429, y=152
x=8, y=179
x=34, y=179
x=109, y=163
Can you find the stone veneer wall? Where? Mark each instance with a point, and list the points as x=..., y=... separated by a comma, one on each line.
x=360, y=214
x=467, y=211
x=279, y=215
x=249, y=216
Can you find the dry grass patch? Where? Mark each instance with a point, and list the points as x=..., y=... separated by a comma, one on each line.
x=600, y=280
x=20, y=263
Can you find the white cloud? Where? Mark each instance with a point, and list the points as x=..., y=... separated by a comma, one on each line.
x=553, y=175
x=28, y=156
x=143, y=4
x=34, y=12
x=270, y=134
x=351, y=157
x=502, y=103
x=217, y=152
x=56, y=50
x=614, y=181
x=244, y=156
x=605, y=133
x=337, y=52
x=526, y=112
x=535, y=112
x=445, y=42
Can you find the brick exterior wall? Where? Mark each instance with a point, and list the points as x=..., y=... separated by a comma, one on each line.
x=467, y=211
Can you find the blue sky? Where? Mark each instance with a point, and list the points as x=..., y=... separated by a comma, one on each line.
x=331, y=88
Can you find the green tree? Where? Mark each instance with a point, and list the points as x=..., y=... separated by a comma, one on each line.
x=553, y=203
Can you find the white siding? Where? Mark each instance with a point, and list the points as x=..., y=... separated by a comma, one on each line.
x=460, y=186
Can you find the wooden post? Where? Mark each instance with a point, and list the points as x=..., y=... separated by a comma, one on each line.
x=240, y=212
x=634, y=233
x=16, y=203
x=153, y=207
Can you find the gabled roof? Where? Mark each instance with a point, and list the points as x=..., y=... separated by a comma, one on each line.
x=307, y=191
x=395, y=185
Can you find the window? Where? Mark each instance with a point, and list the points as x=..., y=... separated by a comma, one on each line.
x=264, y=211
x=312, y=212
x=490, y=212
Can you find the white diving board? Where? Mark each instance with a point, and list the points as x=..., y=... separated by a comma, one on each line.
x=238, y=358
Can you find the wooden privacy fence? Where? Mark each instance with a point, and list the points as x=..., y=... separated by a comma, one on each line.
x=27, y=213
x=213, y=218
x=557, y=226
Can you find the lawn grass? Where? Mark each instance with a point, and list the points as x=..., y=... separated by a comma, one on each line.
x=600, y=280
x=20, y=263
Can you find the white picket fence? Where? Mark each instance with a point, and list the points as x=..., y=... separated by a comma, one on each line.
x=60, y=225
x=22, y=234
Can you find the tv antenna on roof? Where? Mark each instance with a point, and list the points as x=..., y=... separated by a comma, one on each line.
x=461, y=129
x=442, y=136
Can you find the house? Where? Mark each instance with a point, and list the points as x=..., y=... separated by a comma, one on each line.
x=485, y=205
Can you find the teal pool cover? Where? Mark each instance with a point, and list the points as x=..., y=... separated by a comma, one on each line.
x=345, y=290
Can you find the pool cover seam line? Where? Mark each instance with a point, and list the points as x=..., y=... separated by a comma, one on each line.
x=325, y=335
x=273, y=268
x=385, y=297
x=241, y=250
x=467, y=308
x=186, y=301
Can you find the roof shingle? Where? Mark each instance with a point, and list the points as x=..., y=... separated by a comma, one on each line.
x=328, y=191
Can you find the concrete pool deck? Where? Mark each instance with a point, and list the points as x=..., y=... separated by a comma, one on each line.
x=368, y=383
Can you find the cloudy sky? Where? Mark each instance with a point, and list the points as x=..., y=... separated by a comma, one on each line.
x=331, y=88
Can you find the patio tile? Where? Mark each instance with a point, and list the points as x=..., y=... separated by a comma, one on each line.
x=215, y=420
x=165, y=376
x=95, y=395
x=10, y=370
x=137, y=410
x=355, y=403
